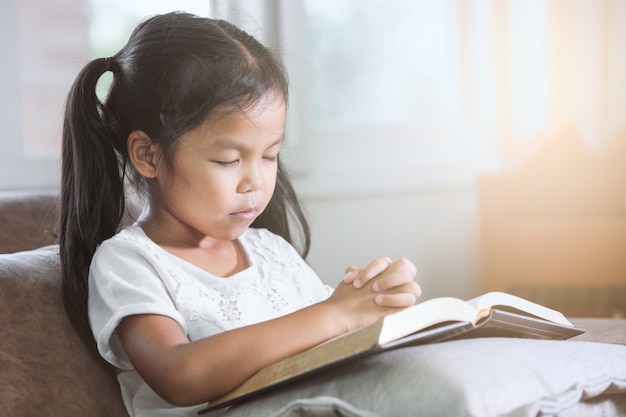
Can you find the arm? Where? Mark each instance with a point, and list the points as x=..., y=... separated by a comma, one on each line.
x=185, y=373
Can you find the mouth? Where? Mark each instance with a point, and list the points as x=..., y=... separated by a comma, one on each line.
x=248, y=214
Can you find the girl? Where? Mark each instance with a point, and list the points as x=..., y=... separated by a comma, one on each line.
x=205, y=288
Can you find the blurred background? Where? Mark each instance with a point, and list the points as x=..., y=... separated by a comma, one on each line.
x=485, y=140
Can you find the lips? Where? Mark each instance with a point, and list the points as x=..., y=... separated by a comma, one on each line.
x=247, y=214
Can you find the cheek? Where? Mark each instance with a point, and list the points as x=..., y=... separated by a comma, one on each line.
x=271, y=188
x=271, y=178
x=269, y=184
x=219, y=186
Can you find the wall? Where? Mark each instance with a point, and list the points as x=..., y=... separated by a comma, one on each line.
x=437, y=229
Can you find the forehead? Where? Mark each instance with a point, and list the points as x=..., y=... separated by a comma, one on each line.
x=266, y=109
x=232, y=127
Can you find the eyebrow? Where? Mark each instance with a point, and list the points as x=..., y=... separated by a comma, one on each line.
x=226, y=143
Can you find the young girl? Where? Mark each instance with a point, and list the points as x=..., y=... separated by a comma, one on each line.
x=205, y=288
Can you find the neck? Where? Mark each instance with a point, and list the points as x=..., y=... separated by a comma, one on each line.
x=222, y=258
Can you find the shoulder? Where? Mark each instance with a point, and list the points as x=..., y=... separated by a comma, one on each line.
x=129, y=236
x=129, y=243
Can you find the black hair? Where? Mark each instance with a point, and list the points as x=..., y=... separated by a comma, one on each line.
x=175, y=70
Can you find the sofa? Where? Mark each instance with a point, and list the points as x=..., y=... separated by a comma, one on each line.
x=46, y=371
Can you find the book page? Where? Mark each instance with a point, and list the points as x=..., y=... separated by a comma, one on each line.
x=485, y=302
x=423, y=315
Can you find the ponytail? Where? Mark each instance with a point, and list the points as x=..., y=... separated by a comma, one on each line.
x=92, y=190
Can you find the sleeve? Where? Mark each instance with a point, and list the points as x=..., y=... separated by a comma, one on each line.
x=124, y=280
x=321, y=291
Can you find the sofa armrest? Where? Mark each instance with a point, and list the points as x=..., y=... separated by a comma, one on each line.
x=28, y=220
x=45, y=368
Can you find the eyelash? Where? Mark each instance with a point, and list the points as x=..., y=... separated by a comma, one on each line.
x=227, y=164
x=233, y=163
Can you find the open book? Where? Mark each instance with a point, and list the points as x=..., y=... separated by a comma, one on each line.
x=493, y=314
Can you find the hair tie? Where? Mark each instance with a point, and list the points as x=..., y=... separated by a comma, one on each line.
x=107, y=62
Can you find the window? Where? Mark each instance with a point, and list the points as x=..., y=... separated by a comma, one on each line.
x=386, y=94
x=401, y=93
x=45, y=44
x=112, y=21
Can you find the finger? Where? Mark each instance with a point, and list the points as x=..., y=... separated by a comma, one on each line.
x=392, y=280
x=411, y=287
x=373, y=269
x=416, y=289
x=400, y=300
x=350, y=274
x=405, y=263
x=399, y=273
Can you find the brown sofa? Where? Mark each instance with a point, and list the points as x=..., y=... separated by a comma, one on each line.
x=46, y=371
x=44, y=368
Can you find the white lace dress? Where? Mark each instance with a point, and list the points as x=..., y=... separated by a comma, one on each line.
x=130, y=274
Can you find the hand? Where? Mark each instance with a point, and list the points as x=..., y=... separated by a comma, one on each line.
x=358, y=277
x=405, y=283
x=380, y=288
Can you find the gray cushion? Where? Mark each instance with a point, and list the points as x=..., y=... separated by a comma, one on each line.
x=479, y=377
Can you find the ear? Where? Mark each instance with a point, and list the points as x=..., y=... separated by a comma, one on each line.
x=143, y=153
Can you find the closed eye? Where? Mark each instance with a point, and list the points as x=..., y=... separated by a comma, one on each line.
x=227, y=164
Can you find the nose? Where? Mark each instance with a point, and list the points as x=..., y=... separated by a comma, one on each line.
x=252, y=179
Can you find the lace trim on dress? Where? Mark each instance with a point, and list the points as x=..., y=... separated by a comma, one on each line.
x=271, y=287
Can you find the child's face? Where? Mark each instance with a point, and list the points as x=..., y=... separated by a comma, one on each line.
x=224, y=174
